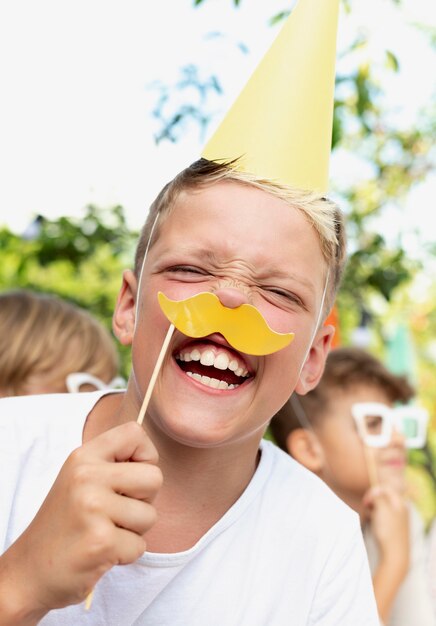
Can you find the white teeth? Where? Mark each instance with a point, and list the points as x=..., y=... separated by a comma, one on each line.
x=221, y=361
x=214, y=383
x=207, y=358
x=195, y=355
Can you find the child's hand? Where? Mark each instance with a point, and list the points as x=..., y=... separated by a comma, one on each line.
x=389, y=518
x=93, y=518
x=388, y=515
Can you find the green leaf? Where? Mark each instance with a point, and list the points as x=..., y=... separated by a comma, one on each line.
x=278, y=17
x=392, y=61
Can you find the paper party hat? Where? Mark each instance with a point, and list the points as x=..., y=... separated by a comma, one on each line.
x=280, y=126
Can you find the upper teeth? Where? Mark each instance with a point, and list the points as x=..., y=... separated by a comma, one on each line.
x=221, y=361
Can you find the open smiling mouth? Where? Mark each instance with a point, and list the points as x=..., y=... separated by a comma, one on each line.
x=212, y=366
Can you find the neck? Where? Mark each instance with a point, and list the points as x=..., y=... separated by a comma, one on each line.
x=200, y=485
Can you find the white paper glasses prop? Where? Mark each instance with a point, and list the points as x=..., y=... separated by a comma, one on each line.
x=76, y=380
x=375, y=423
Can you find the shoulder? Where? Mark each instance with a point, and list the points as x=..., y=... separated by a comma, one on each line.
x=295, y=488
x=317, y=539
x=24, y=419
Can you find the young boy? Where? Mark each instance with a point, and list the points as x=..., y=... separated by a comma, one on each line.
x=184, y=521
x=217, y=533
x=320, y=432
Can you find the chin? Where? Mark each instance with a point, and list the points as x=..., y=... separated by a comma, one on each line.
x=196, y=435
x=204, y=428
x=393, y=477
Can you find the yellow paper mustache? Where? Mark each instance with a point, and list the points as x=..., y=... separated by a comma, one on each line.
x=243, y=327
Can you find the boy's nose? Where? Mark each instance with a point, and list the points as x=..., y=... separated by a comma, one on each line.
x=231, y=296
x=398, y=438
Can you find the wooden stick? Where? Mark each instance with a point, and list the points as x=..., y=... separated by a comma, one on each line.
x=88, y=600
x=154, y=375
x=143, y=409
x=371, y=465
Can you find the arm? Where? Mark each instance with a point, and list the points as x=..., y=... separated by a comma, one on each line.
x=389, y=518
x=93, y=518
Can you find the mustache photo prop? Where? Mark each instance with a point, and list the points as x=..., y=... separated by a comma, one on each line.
x=243, y=327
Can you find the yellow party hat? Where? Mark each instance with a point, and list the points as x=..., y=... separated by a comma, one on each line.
x=280, y=126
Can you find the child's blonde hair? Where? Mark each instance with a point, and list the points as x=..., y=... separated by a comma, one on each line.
x=44, y=337
x=323, y=214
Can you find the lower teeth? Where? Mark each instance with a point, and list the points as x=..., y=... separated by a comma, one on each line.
x=214, y=383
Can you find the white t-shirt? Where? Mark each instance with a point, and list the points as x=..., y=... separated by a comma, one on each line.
x=287, y=552
x=412, y=604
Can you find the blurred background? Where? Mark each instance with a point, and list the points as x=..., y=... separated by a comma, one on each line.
x=104, y=101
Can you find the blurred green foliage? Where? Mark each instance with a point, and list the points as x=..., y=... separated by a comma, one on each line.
x=80, y=260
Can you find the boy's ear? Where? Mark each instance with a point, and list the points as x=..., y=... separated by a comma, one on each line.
x=123, y=320
x=313, y=367
x=304, y=446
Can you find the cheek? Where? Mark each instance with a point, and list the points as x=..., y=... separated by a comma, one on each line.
x=279, y=320
x=299, y=323
x=345, y=448
x=283, y=369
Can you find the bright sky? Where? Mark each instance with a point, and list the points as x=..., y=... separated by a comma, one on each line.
x=75, y=118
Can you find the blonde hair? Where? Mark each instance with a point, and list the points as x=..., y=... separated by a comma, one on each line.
x=323, y=214
x=44, y=337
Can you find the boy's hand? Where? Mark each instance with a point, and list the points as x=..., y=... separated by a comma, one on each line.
x=388, y=515
x=93, y=518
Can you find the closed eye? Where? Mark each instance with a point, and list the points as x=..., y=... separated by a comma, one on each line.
x=187, y=272
x=285, y=295
x=185, y=268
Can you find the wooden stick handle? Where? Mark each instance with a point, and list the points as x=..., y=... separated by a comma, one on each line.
x=88, y=600
x=143, y=409
x=154, y=375
x=371, y=465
